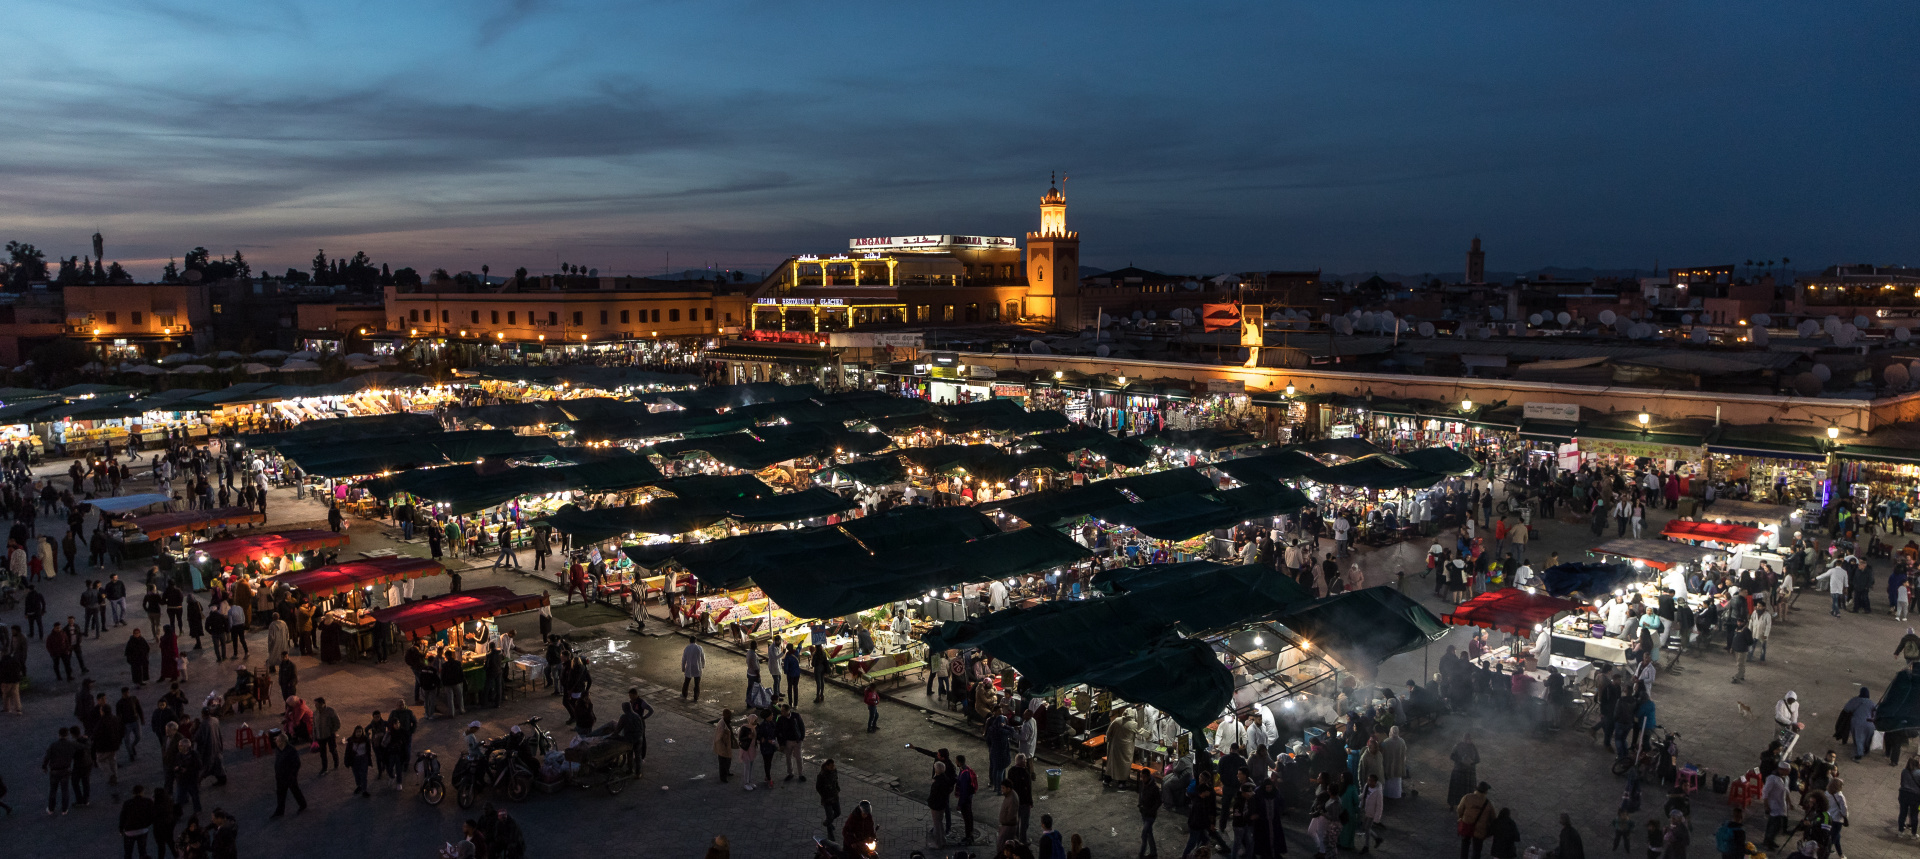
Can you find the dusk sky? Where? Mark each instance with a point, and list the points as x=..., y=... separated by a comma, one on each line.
x=1200, y=137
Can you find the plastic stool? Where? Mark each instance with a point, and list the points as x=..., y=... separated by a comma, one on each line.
x=242, y=737
x=1688, y=778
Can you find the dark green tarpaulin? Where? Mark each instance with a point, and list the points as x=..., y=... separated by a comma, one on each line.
x=1378, y=471
x=1365, y=627
x=789, y=507
x=1106, y=641
x=1269, y=467
x=1120, y=579
x=1440, y=460
x=603, y=408
x=1161, y=484
x=745, y=452
x=1352, y=448
x=510, y=415
x=687, y=422
x=905, y=422
x=342, y=429
x=906, y=527
x=584, y=375
x=373, y=456
x=992, y=414
x=731, y=396
x=1032, y=422
x=1058, y=506
x=1127, y=452
x=1191, y=514
x=877, y=471
x=1201, y=440
x=679, y=516
x=23, y=412
x=716, y=487
x=467, y=488
x=983, y=461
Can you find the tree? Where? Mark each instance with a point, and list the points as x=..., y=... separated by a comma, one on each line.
x=56, y=360
x=170, y=274
x=241, y=268
x=520, y=276
x=295, y=275
x=321, y=275
x=116, y=274
x=440, y=275
x=25, y=264
x=386, y=277
x=406, y=277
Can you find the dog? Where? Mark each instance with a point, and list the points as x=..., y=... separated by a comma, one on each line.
x=1746, y=712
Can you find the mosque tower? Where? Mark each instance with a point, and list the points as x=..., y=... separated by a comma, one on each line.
x=1053, y=265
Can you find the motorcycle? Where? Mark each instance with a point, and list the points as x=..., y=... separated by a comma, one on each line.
x=432, y=787
x=508, y=763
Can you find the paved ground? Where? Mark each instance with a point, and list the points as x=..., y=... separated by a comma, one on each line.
x=679, y=805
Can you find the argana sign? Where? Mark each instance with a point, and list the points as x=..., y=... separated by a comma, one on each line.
x=931, y=243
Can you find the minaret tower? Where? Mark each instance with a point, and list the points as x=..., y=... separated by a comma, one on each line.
x=1053, y=264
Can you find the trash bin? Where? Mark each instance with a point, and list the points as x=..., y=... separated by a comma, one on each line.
x=1053, y=779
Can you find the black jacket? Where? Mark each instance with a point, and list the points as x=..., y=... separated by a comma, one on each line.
x=136, y=813
x=286, y=764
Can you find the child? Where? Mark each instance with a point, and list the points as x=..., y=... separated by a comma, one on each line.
x=1653, y=838
x=1623, y=832
x=871, y=697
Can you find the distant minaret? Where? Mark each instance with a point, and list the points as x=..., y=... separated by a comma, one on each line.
x=99, y=247
x=1476, y=263
x=1053, y=265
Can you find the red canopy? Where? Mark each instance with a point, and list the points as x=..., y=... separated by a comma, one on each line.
x=1718, y=531
x=1510, y=610
x=433, y=615
x=253, y=547
x=326, y=581
x=167, y=524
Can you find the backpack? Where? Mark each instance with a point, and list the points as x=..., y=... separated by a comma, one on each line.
x=1724, y=838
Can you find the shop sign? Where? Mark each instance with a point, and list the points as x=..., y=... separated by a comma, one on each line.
x=1226, y=386
x=930, y=243
x=1636, y=449
x=1563, y=412
x=861, y=340
x=1009, y=391
x=1340, y=431
x=809, y=337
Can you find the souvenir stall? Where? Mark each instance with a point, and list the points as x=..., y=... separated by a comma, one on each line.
x=258, y=555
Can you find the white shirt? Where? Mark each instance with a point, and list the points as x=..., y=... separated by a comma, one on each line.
x=1836, y=578
x=1340, y=527
x=997, y=595
x=1523, y=575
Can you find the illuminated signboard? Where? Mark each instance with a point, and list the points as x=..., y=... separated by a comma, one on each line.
x=933, y=243
x=801, y=302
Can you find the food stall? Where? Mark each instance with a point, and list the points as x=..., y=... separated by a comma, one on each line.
x=1743, y=544
x=1531, y=616
x=464, y=622
x=161, y=525
x=278, y=552
x=345, y=593
x=1775, y=519
x=123, y=540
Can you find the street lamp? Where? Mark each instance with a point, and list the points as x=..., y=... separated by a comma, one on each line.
x=1833, y=433
x=1289, y=390
x=1644, y=418
x=1466, y=404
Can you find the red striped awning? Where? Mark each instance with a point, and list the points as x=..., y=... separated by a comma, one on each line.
x=339, y=578
x=1510, y=610
x=168, y=524
x=1716, y=531
x=253, y=547
x=433, y=615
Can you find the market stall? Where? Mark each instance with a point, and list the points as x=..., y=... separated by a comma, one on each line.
x=1774, y=519
x=160, y=525
x=322, y=582
x=258, y=554
x=439, y=614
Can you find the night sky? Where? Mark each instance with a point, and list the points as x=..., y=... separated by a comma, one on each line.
x=1200, y=137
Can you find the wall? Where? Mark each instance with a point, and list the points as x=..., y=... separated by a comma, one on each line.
x=551, y=316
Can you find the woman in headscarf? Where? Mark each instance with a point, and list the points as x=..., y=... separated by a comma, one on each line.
x=859, y=831
x=169, y=654
x=1466, y=766
x=298, y=720
x=1393, y=763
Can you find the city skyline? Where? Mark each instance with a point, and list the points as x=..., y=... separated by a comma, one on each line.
x=641, y=139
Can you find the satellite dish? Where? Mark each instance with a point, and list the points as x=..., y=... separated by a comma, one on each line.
x=1896, y=376
x=1607, y=317
x=1564, y=317
x=1105, y=321
x=1862, y=322
x=1138, y=315
x=1633, y=314
x=1426, y=329
x=1038, y=348
x=1762, y=320
x=1274, y=316
x=1102, y=350
x=1846, y=336
x=1759, y=336
x=1640, y=331
x=1288, y=313
x=1701, y=335
x=1622, y=324
x=1902, y=334
x=1831, y=324
x=1806, y=385
x=1533, y=319
x=1483, y=333
x=1807, y=328
x=1497, y=314
x=1686, y=319
x=1153, y=314
x=1822, y=372
x=1344, y=326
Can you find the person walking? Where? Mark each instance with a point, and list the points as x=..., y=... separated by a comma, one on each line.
x=791, y=731
x=57, y=763
x=359, y=758
x=136, y=823
x=1773, y=795
x=1149, y=805
x=1742, y=649
x=1474, y=816
x=871, y=698
x=1504, y=836
x=966, y=783
x=693, y=661
x=1861, y=712
x=820, y=666
x=138, y=653
x=790, y=664
x=326, y=734
x=826, y=783
x=1836, y=580
x=286, y=776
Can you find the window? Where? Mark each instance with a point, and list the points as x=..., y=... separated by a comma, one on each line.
x=136, y=317
x=693, y=314
x=603, y=317
x=656, y=315
x=493, y=317
x=445, y=315
x=993, y=313
x=729, y=319
x=946, y=313
x=579, y=318
x=709, y=314
x=413, y=315
x=113, y=317
x=476, y=317
x=510, y=315
x=623, y=317
x=673, y=315
x=553, y=317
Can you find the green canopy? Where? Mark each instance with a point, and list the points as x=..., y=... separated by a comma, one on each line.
x=1191, y=514
x=877, y=471
x=468, y=488
x=584, y=375
x=983, y=461
x=1160, y=484
x=1378, y=471
x=1058, y=506
x=401, y=425
x=510, y=415
x=1440, y=460
x=353, y=458
x=734, y=396
x=1201, y=439
x=1365, y=626
x=1127, y=452
x=1269, y=467
x=681, y=515
x=1352, y=448
x=687, y=422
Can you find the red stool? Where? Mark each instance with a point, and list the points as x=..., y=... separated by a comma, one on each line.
x=242, y=737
